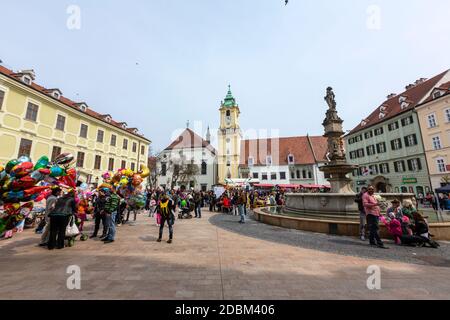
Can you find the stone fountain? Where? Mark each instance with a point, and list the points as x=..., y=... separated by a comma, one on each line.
x=340, y=202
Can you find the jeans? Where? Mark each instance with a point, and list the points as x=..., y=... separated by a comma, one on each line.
x=58, y=225
x=170, y=222
x=362, y=224
x=112, y=226
x=241, y=212
x=198, y=211
x=374, y=235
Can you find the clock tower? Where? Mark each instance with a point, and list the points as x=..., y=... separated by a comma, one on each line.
x=229, y=137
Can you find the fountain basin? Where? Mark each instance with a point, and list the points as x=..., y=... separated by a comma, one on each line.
x=335, y=226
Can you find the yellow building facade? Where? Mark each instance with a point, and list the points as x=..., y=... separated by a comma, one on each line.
x=434, y=119
x=229, y=139
x=36, y=121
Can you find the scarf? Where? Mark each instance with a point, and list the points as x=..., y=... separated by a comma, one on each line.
x=164, y=208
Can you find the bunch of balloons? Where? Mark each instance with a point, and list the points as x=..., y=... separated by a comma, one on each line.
x=23, y=181
x=125, y=179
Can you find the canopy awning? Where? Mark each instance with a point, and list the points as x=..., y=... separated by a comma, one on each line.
x=289, y=186
x=264, y=185
x=315, y=186
x=445, y=189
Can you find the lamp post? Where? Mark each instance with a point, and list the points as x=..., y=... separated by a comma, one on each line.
x=96, y=182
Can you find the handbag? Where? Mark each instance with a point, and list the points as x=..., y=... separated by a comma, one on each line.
x=72, y=229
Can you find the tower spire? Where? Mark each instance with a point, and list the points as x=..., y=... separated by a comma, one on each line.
x=208, y=135
x=230, y=101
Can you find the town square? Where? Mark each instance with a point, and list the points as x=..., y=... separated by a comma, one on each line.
x=222, y=150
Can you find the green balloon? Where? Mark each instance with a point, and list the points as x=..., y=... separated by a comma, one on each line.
x=42, y=163
x=11, y=164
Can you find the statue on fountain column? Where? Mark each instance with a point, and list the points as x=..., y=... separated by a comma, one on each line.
x=330, y=98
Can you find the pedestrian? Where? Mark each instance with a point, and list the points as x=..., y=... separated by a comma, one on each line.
x=165, y=210
x=65, y=208
x=49, y=207
x=111, y=208
x=373, y=213
x=240, y=204
x=99, y=213
x=362, y=213
x=198, y=205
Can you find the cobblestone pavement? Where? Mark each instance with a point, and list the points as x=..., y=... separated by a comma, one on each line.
x=216, y=258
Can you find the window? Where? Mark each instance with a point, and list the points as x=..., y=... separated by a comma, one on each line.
x=60, y=122
x=309, y=175
x=360, y=153
x=411, y=140
x=371, y=150
x=264, y=176
x=163, y=169
x=98, y=162
x=298, y=174
x=134, y=146
x=414, y=165
x=437, y=143
x=125, y=144
x=83, y=131
x=393, y=126
x=304, y=174
x=2, y=98
x=133, y=166
x=379, y=131
x=80, y=159
x=432, y=121
x=250, y=161
x=396, y=144
x=228, y=113
x=399, y=166
x=113, y=140
x=111, y=164
x=373, y=169
x=384, y=168
x=204, y=168
x=142, y=150
x=282, y=175
x=273, y=176
x=441, y=165
x=255, y=175
x=32, y=111
x=55, y=152
x=358, y=138
x=25, y=147
x=291, y=159
x=381, y=147
x=26, y=80
x=269, y=160
x=351, y=141
x=368, y=135
x=100, y=134
x=124, y=164
x=447, y=111
x=407, y=121
x=204, y=187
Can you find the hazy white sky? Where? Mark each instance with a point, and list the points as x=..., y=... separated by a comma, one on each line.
x=156, y=64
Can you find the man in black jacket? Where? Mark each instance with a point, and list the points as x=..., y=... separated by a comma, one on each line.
x=362, y=213
x=65, y=207
x=100, y=216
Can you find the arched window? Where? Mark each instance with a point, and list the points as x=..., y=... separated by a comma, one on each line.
x=163, y=169
x=228, y=113
x=304, y=174
x=204, y=168
x=298, y=174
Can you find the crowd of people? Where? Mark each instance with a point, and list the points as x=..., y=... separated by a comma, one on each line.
x=403, y=221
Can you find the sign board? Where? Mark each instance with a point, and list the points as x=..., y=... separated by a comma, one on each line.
x=409, y=180
x=218, y=191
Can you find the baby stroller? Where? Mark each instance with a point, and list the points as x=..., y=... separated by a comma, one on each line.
x=185, y=210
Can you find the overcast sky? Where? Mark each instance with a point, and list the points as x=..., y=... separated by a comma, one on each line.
x=156, y=64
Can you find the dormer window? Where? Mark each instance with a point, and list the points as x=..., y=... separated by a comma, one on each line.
x=404, y=105
x=123, y=125
x=401, y=99
x=381, y=115
x=437, y=94
x=56, y=95
x=135, y=131
x=291, y=159
x=82, y=106
x=383, y=109
x=26, y=80
x=108, y=119
x=251, y=161
x=363, y=123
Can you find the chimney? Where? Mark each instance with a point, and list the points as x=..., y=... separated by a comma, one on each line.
x=392, y=95
x=30, y=73
x=419, y=81
x=410, y=86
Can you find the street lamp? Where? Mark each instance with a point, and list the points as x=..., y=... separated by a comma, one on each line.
x=96, y=182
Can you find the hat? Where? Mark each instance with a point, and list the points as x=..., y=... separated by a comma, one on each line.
x=395, y=201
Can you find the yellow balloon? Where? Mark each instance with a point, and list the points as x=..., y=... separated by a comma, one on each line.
x=145, y=171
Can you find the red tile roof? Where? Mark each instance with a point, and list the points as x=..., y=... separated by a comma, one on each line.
x=66, y=101
x=305, y=149
x=445, y=88
x=189, y=139
x=414, y=96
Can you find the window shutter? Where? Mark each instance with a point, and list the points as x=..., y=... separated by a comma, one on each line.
x=411, y=119
x=387, y=168
x=410, y=166
x=419, y=164
x=396, y=166
x=392, y=145
x=403, y=122
x=378, y=148
x=415, y=139
x=406, y=142
x=400, y=143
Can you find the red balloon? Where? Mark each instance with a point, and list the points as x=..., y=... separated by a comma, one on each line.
x=22, y=169
x=34, y=190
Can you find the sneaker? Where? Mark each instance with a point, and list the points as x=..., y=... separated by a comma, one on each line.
x=159, y=240
x=363, y=238
x=108, y=241
x=169, y=241
x=43, y=244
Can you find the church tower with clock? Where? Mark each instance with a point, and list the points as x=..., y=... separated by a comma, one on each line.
x=229, y=137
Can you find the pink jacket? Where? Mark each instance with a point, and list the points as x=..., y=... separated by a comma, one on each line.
x=371, y=205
